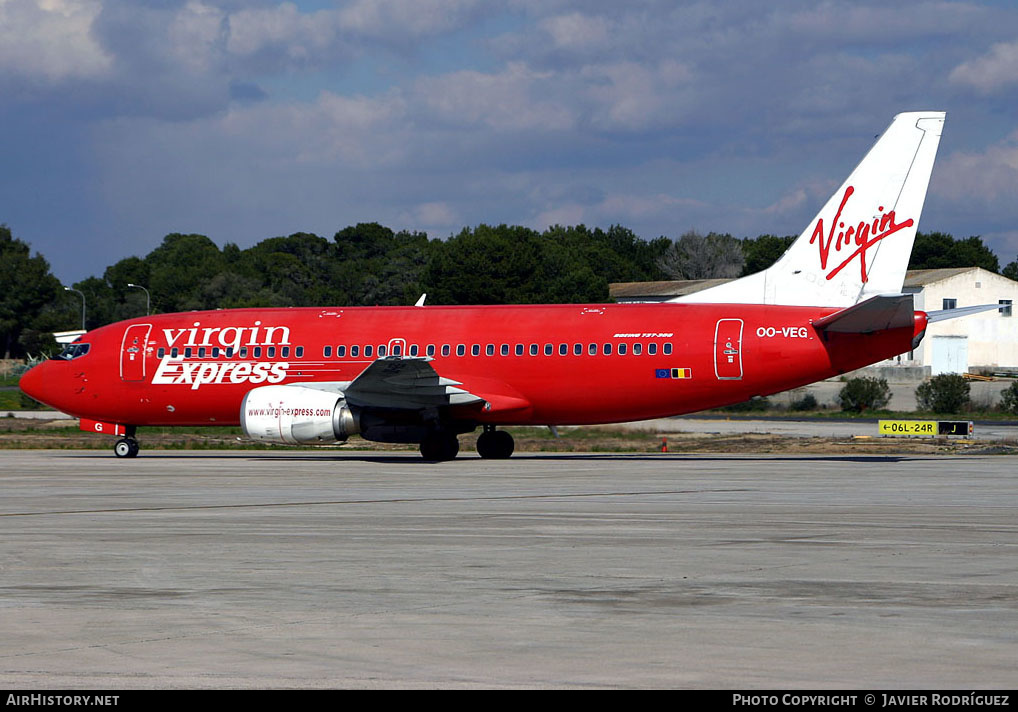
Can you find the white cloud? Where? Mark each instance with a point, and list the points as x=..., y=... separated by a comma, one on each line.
x=416, y=18
x=51, y=40
x=997, y=69
x=576, y=30
x=985, y=177
x=514, y=99
x=195, y=35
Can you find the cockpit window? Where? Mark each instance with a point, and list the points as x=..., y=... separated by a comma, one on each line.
x=73, y=351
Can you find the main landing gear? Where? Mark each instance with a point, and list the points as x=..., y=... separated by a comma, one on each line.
x=440, y=445
x=495, y=444
x=127, y=446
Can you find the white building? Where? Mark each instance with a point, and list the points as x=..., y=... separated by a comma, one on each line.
x=981, y=342
x=985, y=342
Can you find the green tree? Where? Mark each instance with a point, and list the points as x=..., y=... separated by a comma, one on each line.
x=1011, y=270
x=179, y=267
x=763, y=251
x=696, y=256
x=26, y=288
x=936, y=250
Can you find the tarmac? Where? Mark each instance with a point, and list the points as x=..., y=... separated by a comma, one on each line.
x=359, y=570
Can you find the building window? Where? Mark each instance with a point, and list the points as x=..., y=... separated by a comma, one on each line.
x=1005, y=307
x=950, y=304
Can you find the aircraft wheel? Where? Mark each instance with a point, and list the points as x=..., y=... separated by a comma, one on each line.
x=440, y=446
x=126, y=447
x=495, y=445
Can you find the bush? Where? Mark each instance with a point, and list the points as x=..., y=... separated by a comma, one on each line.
x=1009, y=399
x=807, y=402
x=946, y=393
x=859, y=394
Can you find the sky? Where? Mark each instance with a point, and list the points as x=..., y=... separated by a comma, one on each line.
x=124, y=120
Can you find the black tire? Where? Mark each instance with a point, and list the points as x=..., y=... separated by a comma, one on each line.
x=495, y=445
x=126, y=447
x=440, y=446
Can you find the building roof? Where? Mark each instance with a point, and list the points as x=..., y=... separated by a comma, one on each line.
x=659, y=291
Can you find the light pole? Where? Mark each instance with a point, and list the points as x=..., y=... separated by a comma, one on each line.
x=68, y=289
x=148, y=299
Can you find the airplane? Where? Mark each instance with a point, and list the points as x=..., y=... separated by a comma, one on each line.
x=426, y=374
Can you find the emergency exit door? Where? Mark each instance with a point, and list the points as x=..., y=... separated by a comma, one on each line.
x=132, y=352
x=728, y=349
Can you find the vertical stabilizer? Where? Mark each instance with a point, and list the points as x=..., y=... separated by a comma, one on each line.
x=858, y=246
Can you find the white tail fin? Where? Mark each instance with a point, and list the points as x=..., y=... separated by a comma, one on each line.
x=859, y=245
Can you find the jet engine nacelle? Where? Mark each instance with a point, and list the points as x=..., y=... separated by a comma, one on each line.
x=296, y=415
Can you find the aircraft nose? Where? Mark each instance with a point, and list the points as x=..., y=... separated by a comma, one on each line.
x=32, y=383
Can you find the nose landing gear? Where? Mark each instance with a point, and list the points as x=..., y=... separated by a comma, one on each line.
x=127, y=446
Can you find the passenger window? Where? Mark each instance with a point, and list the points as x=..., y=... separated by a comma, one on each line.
x=519, y=349
x=668, y=349
x=637, y=349
x=431, y=350
x=201, y=352
x=413, y=349
x=446, y=350
x=505, y=349
x=622, y=349
x=461, y=350
x=355, y=351
x=161, y=352
x=592, y=349
x=243, y=352
x=381, y=350
x=549, y=349
x=368, y=351
x=229, y=352
x=340, y=351
x=174, y=352
x=489, y=350
x=187, y=352
x=563, y=349
x=578, y=349
x=475, y=350
x=285, y=352
x=327, y=352
x=271, y=352
x=299, y=352
x=607, y=349
x=533, y=349
x=651, y=349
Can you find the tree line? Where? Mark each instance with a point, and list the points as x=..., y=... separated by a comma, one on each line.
x=370, y=264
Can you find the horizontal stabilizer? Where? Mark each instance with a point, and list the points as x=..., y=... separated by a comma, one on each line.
x=945, y=314
x=885, y=311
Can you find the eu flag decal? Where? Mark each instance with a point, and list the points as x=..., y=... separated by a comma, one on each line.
x=662, y=373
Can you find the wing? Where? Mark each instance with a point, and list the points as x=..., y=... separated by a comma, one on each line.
x=406, y=383
x=411, y=383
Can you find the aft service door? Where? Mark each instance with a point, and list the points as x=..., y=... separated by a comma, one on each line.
x=132, y=352
x=728, y=349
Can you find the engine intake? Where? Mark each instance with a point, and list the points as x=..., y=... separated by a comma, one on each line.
x=296, y=415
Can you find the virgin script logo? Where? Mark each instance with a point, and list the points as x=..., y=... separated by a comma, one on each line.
x=862, y=237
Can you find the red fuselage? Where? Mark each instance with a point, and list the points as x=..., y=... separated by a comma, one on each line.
x=567, y=364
